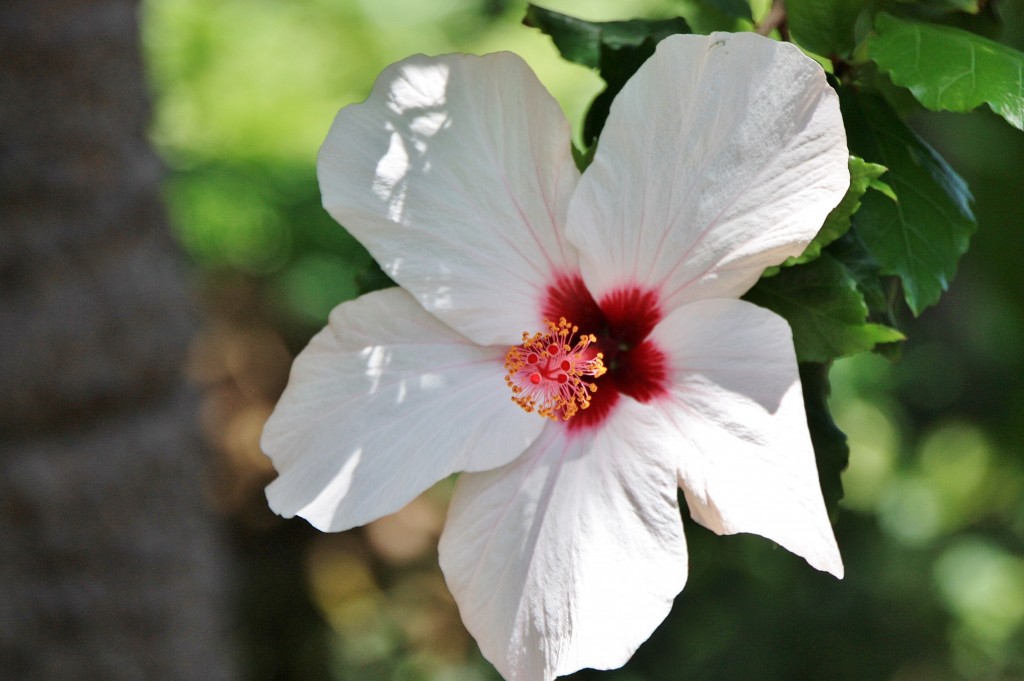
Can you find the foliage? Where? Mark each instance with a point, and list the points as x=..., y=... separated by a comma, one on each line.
x=920, y=236
x=825, y=27
x=825, y=309
x=615, y=48
x=948, y=69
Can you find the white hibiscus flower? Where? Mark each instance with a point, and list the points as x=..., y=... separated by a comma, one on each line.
x=608, y=302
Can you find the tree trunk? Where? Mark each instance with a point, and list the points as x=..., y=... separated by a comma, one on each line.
x=111, y=566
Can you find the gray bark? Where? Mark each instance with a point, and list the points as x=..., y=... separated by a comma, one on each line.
x=111, y=565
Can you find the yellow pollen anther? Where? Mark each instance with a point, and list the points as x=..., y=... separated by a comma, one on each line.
x=547, y=371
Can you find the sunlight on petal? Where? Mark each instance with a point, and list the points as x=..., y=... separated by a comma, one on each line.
x=382, y=404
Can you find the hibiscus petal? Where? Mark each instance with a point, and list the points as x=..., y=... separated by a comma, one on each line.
x=456, y=174
x=721, y=156
x=381, y=404
x=746, y=463
x=570, y=556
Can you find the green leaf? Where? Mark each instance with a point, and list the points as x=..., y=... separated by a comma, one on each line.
x=825, y=27
x=863, y=175
x=880, y=292
x=831, y=452
x=949, y=69
x=615, y=48
x=705, y=17
x=583, y=158
x=867, y=273
x=880, y=186
x=823, y=306
x=920, y=237
x=581, y=41
x=737, y=9
x=946, y=6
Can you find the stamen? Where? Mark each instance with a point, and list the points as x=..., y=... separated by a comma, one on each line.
x=546, y=372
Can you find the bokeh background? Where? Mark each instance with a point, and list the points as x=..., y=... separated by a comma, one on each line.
x=932, y=527
x=932, y=524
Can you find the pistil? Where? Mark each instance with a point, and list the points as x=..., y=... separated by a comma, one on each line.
x=547, y=372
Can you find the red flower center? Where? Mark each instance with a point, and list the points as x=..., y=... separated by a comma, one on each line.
x=621, y=323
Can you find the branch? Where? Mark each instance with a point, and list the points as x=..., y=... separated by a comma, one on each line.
x=775, y=19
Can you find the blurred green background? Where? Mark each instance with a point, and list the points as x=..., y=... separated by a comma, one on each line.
x=932, y=526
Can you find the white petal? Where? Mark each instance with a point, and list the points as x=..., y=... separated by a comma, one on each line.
x=456, y=174
x=381, y=404
x=746, y=463
x=721, y=156
x=570, y=556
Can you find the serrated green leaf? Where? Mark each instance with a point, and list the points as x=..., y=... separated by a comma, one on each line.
x=866, y=272
x=949, y=69
x=615, y=48
x=823, y=306
x=880, y=292
x=831, y=452
x=880, y=186
x=825, y=27
x=737, y=9
x=863, y=175
x=921, y=237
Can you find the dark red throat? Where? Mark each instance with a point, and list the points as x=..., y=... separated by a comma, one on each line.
x=622, y=322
